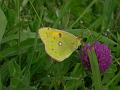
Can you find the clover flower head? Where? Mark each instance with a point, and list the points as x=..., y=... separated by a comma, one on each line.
x=103, y=54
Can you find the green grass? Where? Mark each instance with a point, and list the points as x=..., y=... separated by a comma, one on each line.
x=95, y=70
x=24, y=64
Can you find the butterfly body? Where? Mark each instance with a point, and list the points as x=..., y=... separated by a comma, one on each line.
x=58, y=44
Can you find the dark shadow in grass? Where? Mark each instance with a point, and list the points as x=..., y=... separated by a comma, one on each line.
x=88, y=82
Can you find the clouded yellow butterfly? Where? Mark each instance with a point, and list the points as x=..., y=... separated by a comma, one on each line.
x=58, y=43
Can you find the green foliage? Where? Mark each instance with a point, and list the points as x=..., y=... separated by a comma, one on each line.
x=2, y=25
x=95, y=70
x=24, y=64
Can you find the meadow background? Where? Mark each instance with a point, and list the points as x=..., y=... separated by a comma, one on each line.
x=24, y=64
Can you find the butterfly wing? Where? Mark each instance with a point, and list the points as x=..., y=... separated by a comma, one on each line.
x=58, y=44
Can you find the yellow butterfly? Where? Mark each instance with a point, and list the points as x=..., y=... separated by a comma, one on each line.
x=58, y=44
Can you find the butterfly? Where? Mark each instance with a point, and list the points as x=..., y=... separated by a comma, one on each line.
x=59, y=44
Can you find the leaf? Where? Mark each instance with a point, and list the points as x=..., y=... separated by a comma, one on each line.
x=23, y=4
x=3, y=23
x=76, y=78
x=25, y=45
x=114, y=88
x=118, y=37
x=107, y=13
x=23, y=36
x=20, y=80
x=95, y=70
x=109, y=74
x=4, y=72
x=0, y=83
x=115, y=80
x=117, y=2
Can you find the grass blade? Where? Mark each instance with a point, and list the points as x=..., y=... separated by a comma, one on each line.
x=95, y=70
x=0, y=83
x=3, y=23
x=85, y=11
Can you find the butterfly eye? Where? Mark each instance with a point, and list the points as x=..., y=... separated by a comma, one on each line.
x=60, y=35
